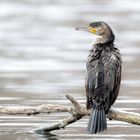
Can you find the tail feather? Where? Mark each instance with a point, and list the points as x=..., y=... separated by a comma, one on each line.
x=91, y=120
x=94, y=119
x=97, y=121
x=103, y=120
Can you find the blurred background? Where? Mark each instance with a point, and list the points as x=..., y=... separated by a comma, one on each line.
x=42, y=58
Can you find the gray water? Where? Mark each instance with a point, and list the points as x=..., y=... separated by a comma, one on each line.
x=42, y=58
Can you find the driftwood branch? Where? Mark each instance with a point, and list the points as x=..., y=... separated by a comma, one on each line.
x=124, y=116
x=77, y=111
x=59, y=125
x=33, y=110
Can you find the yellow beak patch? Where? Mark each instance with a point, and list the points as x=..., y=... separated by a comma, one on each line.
x=92, y=30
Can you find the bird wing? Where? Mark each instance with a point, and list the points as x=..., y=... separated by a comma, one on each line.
x=111, y=78
x=91, y=82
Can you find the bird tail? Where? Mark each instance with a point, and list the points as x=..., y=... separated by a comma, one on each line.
x=97, y=122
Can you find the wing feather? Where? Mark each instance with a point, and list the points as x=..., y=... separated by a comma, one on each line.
x=112, y=79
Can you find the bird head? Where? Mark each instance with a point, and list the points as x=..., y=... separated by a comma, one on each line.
x=101, y=29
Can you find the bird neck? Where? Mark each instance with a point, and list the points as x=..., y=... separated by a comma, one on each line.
x=109, y=45
x=104, y=39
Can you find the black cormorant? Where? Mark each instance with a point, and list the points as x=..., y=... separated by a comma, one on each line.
x=103, y=75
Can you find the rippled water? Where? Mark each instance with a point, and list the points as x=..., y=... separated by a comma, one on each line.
x=42, y=58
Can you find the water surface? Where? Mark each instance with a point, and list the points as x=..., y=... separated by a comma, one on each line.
x=42, y=58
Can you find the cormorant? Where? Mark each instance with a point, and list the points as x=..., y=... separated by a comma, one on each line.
x=103, y=75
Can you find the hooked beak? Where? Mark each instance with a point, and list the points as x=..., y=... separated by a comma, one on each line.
x=81, y=28
x=88, y=28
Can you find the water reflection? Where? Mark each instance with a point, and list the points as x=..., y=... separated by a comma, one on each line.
x=47, y=137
